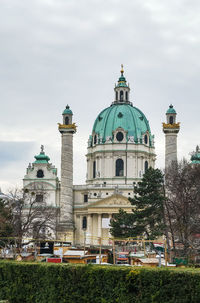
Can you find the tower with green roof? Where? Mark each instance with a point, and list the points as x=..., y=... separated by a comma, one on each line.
x=171, y=130
x=41, y=171
x=122, y=90
x=66, y=221
x=41, y=180
x=195, y=158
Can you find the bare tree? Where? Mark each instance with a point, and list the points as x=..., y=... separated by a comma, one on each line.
x=32, y=217
x=182, y=206
x=6, y=229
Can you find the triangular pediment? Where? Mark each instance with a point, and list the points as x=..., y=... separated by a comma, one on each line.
x=112, y=201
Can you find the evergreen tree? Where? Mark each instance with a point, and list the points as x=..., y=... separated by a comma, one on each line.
x=6, y=228
x=147, y=218
x=122, y=225
x=148, y=205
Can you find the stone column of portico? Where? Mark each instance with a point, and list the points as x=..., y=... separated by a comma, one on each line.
x=99, y=232
x=108, y=241
x=109, y=234
x=89, y=239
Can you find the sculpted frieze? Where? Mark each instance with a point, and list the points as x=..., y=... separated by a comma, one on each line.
x=112, y=201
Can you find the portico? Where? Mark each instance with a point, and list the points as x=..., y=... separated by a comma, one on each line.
x=93, y=219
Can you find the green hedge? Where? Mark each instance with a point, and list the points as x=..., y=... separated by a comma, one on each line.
x=55, y=283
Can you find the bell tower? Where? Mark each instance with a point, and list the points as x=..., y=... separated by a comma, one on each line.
x=66, y=222
x=170, y=129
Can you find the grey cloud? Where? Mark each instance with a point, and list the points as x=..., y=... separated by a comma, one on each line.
x=11, y=152
x=58, y=52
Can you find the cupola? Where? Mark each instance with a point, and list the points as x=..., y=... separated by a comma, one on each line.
x=171, y=115
x=122, y=90
x=67, y=116
x=195, y=158
x=42, y=158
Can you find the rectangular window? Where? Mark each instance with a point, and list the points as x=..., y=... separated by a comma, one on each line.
x=39, y=198
x=85, y=198
x=84, y=223
x=94, y=169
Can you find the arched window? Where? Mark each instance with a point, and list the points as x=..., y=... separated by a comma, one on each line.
x=95, y=139
x=40, y=173
x=126, y=96
x=171, y=119
x=116, y=96
x=119, y=167
x=121, y=95
x=66, y=120
x=146, y=165
x=94, y=169
x=84, y=223
x=145, y=139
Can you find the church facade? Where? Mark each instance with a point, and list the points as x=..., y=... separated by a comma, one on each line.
x=120, y=149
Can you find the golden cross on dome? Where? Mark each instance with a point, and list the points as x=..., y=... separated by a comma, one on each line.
x=122, y=68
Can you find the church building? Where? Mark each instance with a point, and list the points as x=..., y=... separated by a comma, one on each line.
x=120, y=149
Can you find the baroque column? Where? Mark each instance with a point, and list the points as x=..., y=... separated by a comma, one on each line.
x=171, y=129
x=66, y=222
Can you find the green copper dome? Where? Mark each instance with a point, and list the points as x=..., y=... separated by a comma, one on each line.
x=171, y=110
x=195, y=159
x=124, y=116
x=67, y=111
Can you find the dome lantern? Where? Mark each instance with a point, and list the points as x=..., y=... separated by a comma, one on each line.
x=171, y=115
x=67, y=115
x=42, y=158
x=122, y=90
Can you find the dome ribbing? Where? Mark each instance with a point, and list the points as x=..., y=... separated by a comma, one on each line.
x=124, y=116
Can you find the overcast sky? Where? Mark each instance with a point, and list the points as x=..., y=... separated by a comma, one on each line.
x=59, y=52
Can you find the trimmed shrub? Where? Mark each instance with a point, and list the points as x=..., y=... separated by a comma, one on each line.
x=52, y=283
